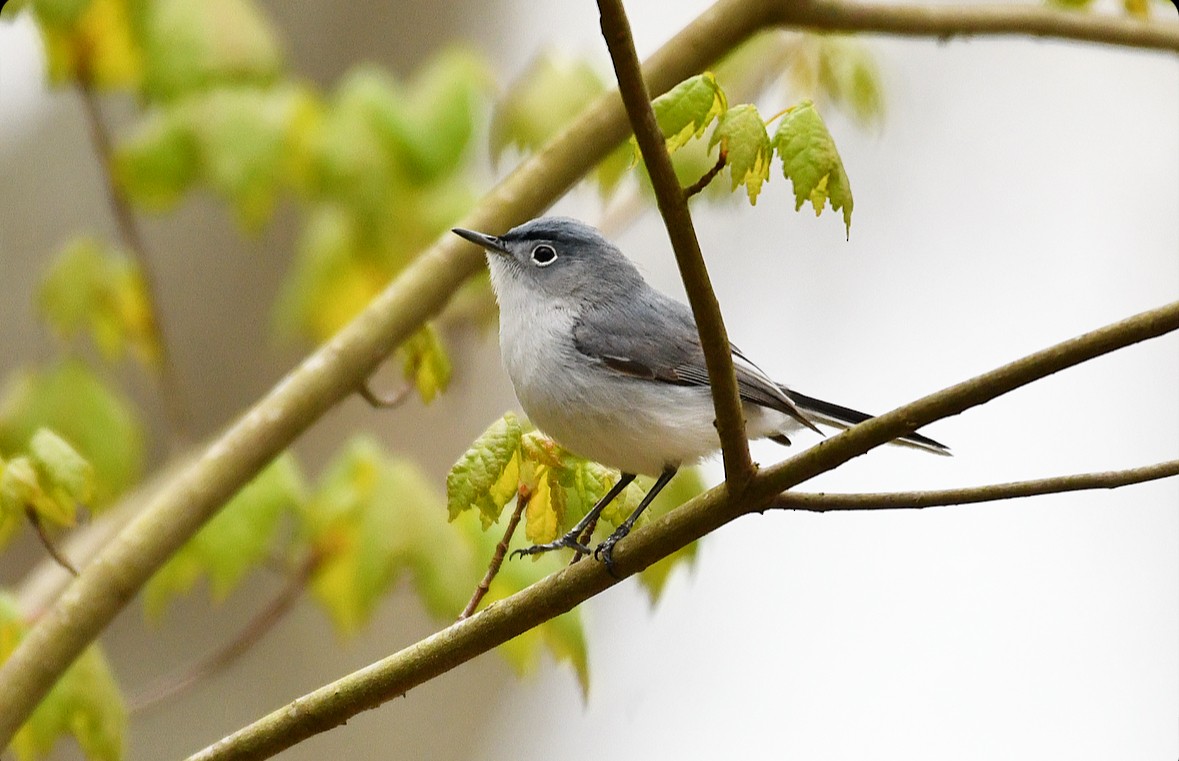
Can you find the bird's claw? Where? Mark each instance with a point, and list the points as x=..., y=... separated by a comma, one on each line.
x=568, y=541
x=605, y=551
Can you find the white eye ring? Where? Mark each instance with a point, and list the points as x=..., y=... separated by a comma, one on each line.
x=544, y=255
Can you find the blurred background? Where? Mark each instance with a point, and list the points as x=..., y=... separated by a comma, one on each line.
x=1016, y=193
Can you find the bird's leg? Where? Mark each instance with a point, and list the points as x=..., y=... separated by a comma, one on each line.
x=572, y=540
x=605, y=550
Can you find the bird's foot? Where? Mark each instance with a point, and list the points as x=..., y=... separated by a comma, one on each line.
x=605, y=550
x=569, y=541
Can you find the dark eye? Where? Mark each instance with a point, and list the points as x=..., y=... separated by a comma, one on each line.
x=544, y=255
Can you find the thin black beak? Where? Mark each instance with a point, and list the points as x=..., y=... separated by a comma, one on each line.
x=489, y=242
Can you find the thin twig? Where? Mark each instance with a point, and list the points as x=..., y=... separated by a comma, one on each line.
x=217, y=661
x=443, y=651
x=501, y=550
x=700, y=184
x=171, y=392
x=385, y=402
x=47, y=541
x=673, y=205
x=1112, y=479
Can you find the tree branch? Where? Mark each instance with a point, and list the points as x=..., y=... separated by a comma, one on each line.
x=673, y=205
x=916, y=500
x=332, y=704
x=171, y=392
x=334, y=371
x=948, y=21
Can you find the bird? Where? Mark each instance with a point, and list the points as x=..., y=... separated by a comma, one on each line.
x=612, y=369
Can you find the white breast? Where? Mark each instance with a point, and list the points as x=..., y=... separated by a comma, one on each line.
x=635, y=425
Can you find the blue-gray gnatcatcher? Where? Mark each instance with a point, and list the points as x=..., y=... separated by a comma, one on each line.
x=612, y=369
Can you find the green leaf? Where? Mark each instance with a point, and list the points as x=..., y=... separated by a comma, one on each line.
x=370, y=518
x=429, y=123
x=742, y=136
x=811, y=162
x=20, y=490
x=90, y=287
x=425, y=363
x=548, y=95
x=64, y=474
x=238, y=538
x=486, y=477
x=97, y=421
x=160, y=160
x=85, y=703
x=192, y=46
x=850, y=77
x=685, y=111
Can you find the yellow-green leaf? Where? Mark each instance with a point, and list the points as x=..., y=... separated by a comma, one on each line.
x=685, y=111
x=369, y=519
x=85, y=703
x=191, y=46
x=850, y=77
x=65, y=476
x=91, y=287
x=485, y=477
x=550, y=92
x=544, y=515
x=811, y=162
x=97, y=421
x=425, y=363
x=90, y=42
x=741, y=134
x=236, y=540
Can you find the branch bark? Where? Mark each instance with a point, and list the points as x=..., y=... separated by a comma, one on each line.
x=917, y=500
x=947, y=21
x=332, y=704
x=673, y=206
x=333, y=372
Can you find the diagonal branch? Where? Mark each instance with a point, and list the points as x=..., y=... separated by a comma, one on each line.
x=334, y=703
x=916, y=500
x=179, y=509
x=673, y=205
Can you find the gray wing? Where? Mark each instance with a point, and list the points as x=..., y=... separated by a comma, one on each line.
x=654, y=337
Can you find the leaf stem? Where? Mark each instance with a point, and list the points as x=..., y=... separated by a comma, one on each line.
x=523, y=496
x=673, y=205
x=47, y=542
x=700, y=184
x=170, y=388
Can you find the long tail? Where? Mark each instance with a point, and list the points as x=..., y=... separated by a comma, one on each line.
x=843, y=417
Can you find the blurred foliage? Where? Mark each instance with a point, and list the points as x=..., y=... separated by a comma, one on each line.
x=92, y=288
x=85, y=702
x=97, y=421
